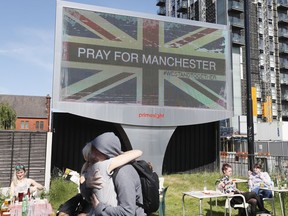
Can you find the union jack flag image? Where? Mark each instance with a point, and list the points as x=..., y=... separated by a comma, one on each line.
x=112, y=58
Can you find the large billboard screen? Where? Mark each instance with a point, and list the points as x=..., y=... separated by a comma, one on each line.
x=139, y=69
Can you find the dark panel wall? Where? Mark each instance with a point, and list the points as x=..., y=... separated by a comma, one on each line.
x=71, y=133
x=192, y=147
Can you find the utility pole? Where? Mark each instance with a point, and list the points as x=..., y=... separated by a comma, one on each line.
x=250, y=126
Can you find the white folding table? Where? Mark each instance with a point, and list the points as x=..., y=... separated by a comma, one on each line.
x=209, y=194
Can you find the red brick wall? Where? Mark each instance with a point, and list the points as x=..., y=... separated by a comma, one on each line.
x=31, y=124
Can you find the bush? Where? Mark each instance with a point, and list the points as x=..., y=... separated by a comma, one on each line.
x=60, y=191
x=2, y=198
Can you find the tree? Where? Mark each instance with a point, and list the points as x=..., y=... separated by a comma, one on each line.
x=7, y=117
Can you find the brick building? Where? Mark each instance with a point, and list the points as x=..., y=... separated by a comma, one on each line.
x=33, y=112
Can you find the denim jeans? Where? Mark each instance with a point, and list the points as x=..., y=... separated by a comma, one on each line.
x=262, y=193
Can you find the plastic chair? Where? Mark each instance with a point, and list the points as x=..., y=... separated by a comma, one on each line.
x=162, y=202
x=244, y=204
x=217, y=189
x=271, y=200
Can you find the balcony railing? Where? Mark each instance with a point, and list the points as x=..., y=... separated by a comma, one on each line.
x=236, y=38
x=285, y=113
x=160, y=2
x=284, y=79
x=285, y=97
x=235, y=5
x=283, y=3
x=283, y=18
x=182, y=7
x=161, y=11
x=274, y=165
x=283, y=33
x=284, y=65
x=237, y=22
x=284, y=48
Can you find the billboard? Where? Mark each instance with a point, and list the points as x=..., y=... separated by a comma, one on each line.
x=140, y=69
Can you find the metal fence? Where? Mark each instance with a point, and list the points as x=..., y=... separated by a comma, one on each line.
x=274, y=165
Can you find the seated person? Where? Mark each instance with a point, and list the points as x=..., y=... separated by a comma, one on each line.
x=228, y=187
x=21, y=184
x=258, y=180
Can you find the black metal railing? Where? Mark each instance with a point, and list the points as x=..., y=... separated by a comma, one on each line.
x=276, y=166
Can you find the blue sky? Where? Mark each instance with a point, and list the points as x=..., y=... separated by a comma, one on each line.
x=27, y=41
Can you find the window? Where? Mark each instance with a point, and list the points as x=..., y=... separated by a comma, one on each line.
x=27, y=125
x=39, y=125
x=22, y=125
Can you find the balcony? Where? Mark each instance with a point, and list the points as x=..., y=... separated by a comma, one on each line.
x=161, y=11
x=283, y=3
x=183, y=6
x=160, y=2
x=260, y=29
x=236, y=22
x=283, y=33
x=261, y=45
x=283, y=48
x=285, y=97
x=236, y=6
x=283, y=18
x=284, y=79
x=271, y=49
x=260, y=14
x=284, y=112
x=283, y=65
x=238, y=39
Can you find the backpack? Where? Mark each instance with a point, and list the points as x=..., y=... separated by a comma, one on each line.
x=74, y=206
x=149, y=183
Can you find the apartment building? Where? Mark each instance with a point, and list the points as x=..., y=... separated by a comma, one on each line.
x=268, y=58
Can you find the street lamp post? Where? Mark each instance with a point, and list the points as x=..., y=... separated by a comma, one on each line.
x=250, y=126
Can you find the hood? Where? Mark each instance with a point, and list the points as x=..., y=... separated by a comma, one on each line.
x=108, y=144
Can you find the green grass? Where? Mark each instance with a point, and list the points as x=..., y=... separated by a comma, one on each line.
x=179, y=183
x=61, y=190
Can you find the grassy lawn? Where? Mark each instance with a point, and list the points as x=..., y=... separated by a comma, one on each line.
x=177, y=183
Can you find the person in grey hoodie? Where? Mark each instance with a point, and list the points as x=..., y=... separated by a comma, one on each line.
x=127, y=182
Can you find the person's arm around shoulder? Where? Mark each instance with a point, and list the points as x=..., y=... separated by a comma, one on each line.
x=124, y=158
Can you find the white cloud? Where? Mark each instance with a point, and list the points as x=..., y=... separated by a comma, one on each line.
x=30, y=45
